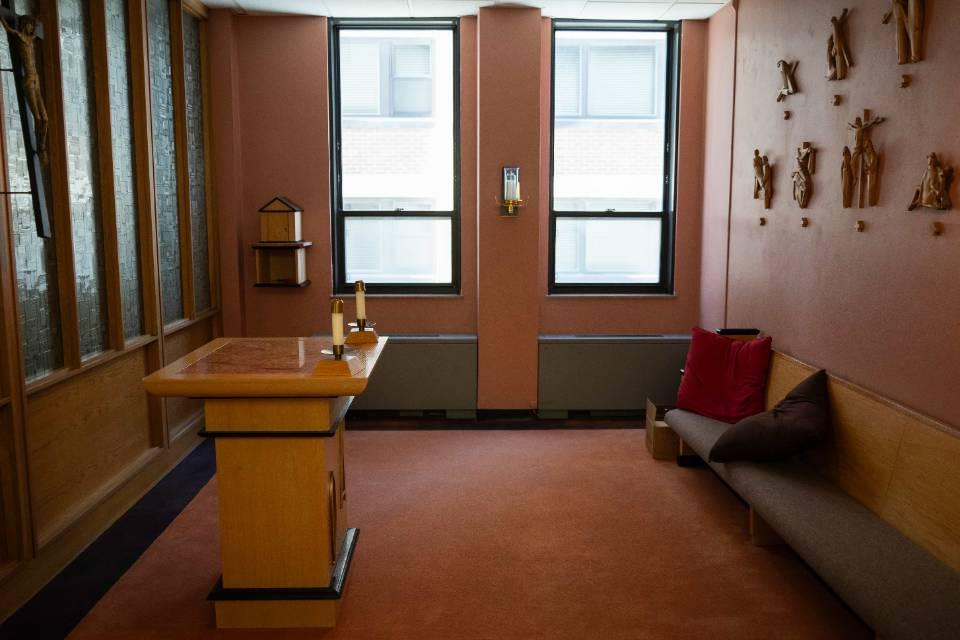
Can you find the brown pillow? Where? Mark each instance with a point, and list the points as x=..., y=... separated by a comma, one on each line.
x=795, y=424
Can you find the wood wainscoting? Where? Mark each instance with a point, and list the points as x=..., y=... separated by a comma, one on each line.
x=902, y=465
x=80, y=441
x=92, y=454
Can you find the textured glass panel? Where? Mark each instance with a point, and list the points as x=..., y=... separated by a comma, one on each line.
x=165, y=159
x=195, y=161
x=125, y=192
x=398, y=250
x=84, y=185
x=407, y=154
x=608, y=250
x=35, y=257
x=610, y=157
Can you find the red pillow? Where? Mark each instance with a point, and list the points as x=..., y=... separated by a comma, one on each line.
x=724, y=379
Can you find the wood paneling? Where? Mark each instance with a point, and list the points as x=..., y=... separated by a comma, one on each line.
x=55, y=555
x=924, y=496
x=182, y=413
x=901, y=465
x=86, y=436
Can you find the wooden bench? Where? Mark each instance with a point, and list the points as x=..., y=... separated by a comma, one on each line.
x=875, y=510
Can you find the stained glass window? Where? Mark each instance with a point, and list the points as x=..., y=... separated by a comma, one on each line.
x=196, y=162
x=125, y=192
x=164, y=158
x=36, y=258
x=84, y=186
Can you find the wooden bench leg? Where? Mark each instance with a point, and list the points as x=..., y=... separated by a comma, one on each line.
x=687, y=457
x=761, y=533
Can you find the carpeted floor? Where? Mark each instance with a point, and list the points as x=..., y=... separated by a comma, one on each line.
x=505, y=535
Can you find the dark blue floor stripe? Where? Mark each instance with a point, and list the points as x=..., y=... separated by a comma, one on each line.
x=60, y=605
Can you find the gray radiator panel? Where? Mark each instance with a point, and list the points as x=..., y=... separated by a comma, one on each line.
x=423, y=373
x=609, y=373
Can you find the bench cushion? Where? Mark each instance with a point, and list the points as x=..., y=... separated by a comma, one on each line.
x=896, y=586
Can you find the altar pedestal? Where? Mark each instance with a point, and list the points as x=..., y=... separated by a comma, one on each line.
x=275, y=409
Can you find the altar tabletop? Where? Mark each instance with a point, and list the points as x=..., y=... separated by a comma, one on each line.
x=264, y=367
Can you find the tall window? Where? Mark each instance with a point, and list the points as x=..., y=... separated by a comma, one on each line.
x=611, y=222
x=394, y=114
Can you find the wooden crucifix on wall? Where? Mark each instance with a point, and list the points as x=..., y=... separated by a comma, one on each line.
x=864, y=162
x=22, y=35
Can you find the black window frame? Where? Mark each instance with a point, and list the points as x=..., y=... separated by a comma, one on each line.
x=667, y=214
x=338, y=214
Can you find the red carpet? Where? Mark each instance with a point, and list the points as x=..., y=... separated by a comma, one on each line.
x=510, y=534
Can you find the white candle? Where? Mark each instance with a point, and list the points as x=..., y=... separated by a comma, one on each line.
x=336, y=311
x=361, y=290
x=511, y=187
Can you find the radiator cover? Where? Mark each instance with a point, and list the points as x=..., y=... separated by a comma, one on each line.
x=609, y=373
x=423, y=373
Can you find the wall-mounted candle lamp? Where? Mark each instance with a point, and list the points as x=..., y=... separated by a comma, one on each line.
x=511, y=201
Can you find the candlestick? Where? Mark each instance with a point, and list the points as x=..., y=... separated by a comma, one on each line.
x=360, y=289
x=336, y=312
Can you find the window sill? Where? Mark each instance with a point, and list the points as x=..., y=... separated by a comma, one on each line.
x=387, y=296
x=561, y=296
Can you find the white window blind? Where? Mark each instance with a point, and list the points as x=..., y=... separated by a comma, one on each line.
x=411, y=61
x=360, y=77
x=567, y=81
x=412, y=84
x=622, y=81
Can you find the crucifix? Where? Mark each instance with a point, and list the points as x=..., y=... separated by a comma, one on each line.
x=865, y=161
x=22, y=34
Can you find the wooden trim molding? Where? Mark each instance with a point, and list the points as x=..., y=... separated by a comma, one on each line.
x=60, y=181
x=180, y=325
x=108, y=209
x=183, y=168
x=196, y=8
x=61, y=375
x=146, y=197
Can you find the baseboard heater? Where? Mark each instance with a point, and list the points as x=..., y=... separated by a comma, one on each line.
x=608, y=375
x=424, y=374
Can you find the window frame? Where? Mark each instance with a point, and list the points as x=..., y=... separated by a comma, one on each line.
x=337, y=213
x=667, y=214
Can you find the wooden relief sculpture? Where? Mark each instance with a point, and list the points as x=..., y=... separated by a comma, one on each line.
x=762, y=179
x=838, y=53
x=908, y=17
x=803, y=176
x=865, y=161
x=934, y=189
x=24, y=37
x=788, y=84
x=847, y=179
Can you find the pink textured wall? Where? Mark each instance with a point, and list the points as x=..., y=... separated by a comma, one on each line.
x=270, y=136
x=880, y=308
x=646, y=314
x=509, y=54
x=717, y=143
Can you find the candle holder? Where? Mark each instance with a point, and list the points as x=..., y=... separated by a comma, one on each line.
x=511, y=207
x=362, y=332
x=338, y=362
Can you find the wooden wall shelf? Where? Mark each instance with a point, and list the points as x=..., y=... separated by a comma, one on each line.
x=282, y=264
x=293, y=285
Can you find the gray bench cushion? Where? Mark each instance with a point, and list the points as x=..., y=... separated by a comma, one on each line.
x=896, y=586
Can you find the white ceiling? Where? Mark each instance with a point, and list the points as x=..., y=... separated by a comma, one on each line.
x=586, y=9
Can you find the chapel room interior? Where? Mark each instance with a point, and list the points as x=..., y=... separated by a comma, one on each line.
x=479, y=319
